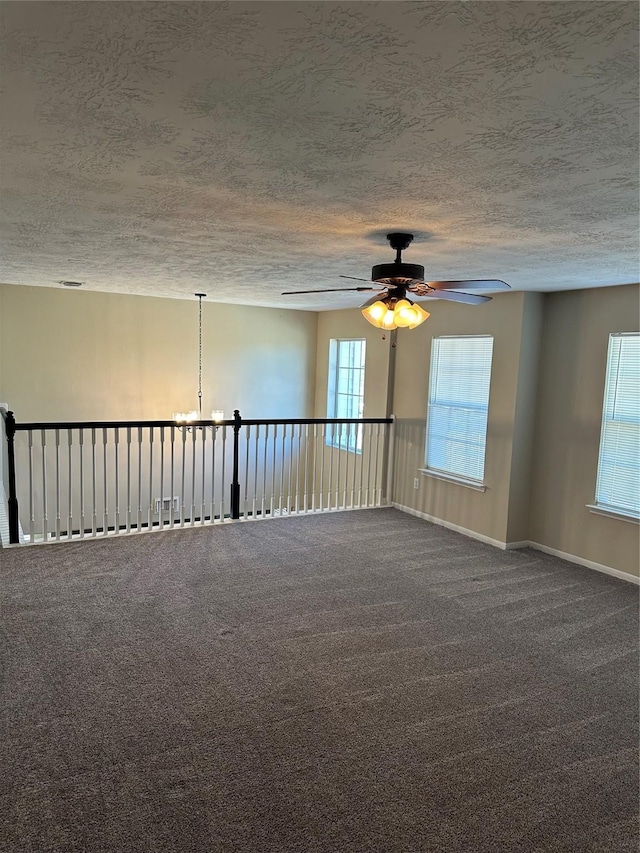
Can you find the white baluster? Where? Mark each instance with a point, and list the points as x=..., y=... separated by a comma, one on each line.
x=128, y=528
x=105, y=521
x=363, y=436
x=272, y=481
x=298, y=456
x=223, y=486
x=376, y=488
x=139, y=479
x=263, y=507
x=81, y=463
x=70, y=485
x=45, y=517
x=31, y=496
x=254, y=502
x=57, y=435
x=150, y=506
x=94, y=508
x=203, y=511
x=193, y=477
x=282, y=458
x=369, y=458
x=331, y=455
x=346, y=430
x=172, y=509
x=213, y=474
x=116, y=441
x=315, y=462
x=290, y=477
x=161, y=507
x=184, y=453
x=247, y=439
x=356, y=438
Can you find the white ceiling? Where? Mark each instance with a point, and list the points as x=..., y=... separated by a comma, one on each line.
x=242, y=149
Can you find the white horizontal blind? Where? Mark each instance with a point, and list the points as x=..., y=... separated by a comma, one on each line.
x=458, y=405
x=345, y=397
x=618, y=482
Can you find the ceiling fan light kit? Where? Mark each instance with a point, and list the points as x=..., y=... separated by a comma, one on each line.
x=392, y=313
x=390, y=308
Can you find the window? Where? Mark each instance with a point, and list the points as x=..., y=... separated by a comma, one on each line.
x=458, y=406
x=345, y=397
x=618, y=482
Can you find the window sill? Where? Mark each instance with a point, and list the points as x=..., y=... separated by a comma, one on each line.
x=613, y=513
x=451, y=478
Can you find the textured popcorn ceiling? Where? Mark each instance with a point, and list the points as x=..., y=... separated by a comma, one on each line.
x=241, y=149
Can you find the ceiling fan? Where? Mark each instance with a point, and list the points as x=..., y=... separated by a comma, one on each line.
x=390, y=308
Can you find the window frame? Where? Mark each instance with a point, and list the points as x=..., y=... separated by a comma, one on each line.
x=444, y=473
x=613, y=378
x=336, y=436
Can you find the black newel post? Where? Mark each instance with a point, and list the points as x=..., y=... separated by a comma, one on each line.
x=14, y=532
x=235, y=485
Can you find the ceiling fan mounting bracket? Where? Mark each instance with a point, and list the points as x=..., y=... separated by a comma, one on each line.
x=399, y=240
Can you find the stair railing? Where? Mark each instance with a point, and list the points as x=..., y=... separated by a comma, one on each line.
x=87, y=479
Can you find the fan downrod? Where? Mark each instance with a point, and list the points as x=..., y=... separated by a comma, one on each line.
x=399, y=240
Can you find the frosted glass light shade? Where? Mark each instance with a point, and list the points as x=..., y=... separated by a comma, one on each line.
x=389, y=320
x=404, y=313
x=185, y=417
x=420, y=316
x=375, y=313
x=390, y=314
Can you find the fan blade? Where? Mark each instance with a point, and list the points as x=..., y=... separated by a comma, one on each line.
x=379, y=284
x=325, y=290
x=355, y=278
x=384, y=283
x=469, y=298
x=470, y=284
x=373, y=299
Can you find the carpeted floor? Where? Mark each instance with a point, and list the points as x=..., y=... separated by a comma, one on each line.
x=359, y=681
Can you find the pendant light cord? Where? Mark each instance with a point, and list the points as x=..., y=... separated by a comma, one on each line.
x=200, y=295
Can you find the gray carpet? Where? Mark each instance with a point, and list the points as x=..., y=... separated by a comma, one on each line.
x=359, y=681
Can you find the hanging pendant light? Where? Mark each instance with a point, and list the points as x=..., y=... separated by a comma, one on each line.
x=196, y=415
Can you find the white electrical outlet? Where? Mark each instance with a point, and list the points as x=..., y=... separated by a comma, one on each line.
x=416, y=482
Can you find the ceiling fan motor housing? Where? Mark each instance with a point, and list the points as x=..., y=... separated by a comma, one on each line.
x=397, y=270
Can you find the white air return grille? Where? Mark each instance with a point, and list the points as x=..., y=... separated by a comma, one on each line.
x=165, y=505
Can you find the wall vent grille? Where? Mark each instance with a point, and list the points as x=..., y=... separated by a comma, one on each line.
x=165, y=505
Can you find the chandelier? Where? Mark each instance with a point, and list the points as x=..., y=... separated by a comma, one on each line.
x=196, y=414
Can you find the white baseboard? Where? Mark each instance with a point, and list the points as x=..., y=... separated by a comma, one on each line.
x=507, y=546
x=588, y=564
x=471, y=533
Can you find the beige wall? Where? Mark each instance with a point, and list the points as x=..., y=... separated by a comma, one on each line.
x=79, y=355
x=524, y=418
x=575, y=337
x=485, y=513
x=2, y=395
